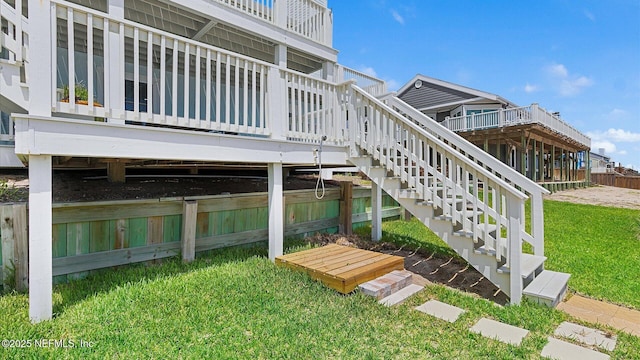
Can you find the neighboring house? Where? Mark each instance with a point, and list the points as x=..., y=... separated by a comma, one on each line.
x=601, y=163
x=244, y=82
x=535, y=142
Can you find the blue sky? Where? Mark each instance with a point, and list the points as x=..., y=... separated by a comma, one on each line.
x=581, y=58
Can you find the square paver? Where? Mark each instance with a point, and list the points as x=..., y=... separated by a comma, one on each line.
x=441, y=310
x=586, y=335
x=562, y=350
x=499, y=331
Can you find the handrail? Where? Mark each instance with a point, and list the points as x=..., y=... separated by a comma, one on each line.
x=497, y=167
x=438, y=141
x=442, y=176
x=467, y=147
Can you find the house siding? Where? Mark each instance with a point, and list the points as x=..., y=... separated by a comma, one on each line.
x=432, y=95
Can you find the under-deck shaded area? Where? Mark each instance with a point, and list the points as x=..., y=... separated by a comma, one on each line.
x=340, y=267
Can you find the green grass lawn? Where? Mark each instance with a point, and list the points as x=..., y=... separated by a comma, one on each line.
x=236, y=304
x=599, y=246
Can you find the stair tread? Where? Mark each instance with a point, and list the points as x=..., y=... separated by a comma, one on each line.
x=547, y=285
x=401, y=295
x=488, y=249
x=481, y=227
x=528, y=264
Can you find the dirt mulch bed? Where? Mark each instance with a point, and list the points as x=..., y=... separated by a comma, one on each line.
x=452, y=272
x=91, y=186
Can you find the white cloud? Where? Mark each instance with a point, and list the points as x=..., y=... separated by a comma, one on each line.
x=616, y=114
x=567, y=84
x=589, y=15
x=530, y=88
x=569, y=87
x=622, y=135
x=397, y=17
x=611, y=140
x=558, y=70
x=609, y=147
x=368, y=70
x=392, y=85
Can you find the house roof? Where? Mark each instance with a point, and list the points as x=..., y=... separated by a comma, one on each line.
x=439, y=93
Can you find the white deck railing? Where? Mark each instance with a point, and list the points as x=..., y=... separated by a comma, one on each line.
x=313, y=109
x=151, y=76
x=178, y=81
x=536, y=234
x=532, y=114
x=370, y=84
x=440, y=174
x=309, y=18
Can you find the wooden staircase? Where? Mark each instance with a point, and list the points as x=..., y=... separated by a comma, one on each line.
x=474, y=210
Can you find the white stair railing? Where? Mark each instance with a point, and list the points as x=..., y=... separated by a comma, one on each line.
x=535, y=235
x=443, y=177
x=16, y=24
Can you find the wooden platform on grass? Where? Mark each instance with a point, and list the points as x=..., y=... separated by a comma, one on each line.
x=340, y=267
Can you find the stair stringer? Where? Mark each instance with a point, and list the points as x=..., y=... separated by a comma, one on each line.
x=487, y=265
x=15, y=94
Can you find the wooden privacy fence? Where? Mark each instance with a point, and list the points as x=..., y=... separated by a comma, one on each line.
x=610, y=179
x=94, y=235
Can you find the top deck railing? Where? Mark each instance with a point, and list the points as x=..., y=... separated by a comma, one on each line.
x=309, y=18
x=368, y=83
x=181, y=82
x=533, y=114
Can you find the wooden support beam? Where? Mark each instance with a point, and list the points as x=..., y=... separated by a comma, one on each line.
x=523, y=157
x=534, y=161
x=188, y=239
x=40, y=235
x=553, y=163
x=346, y=206
x=376, y=212
x=543, y=159
x=116, y=172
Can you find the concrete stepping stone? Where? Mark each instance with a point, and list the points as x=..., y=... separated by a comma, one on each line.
x=562, y=350
x=499, y=331
x=586, y=335
x=441, y=310
x=387, y=284
x=401, y=295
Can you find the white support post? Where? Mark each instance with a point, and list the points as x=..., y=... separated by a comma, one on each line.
x=280, y=13
x=537, y=224
x=116, y=63
x=41, y=49
x=328, y=68
x=277, y=120
x=276, y=211
x=514, y=214
x=40, y=238
x=376, y=212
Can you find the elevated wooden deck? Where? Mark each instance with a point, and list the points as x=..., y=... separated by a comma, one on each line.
x=340, y=267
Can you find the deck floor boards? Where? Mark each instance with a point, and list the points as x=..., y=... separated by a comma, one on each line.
x=340, y=267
